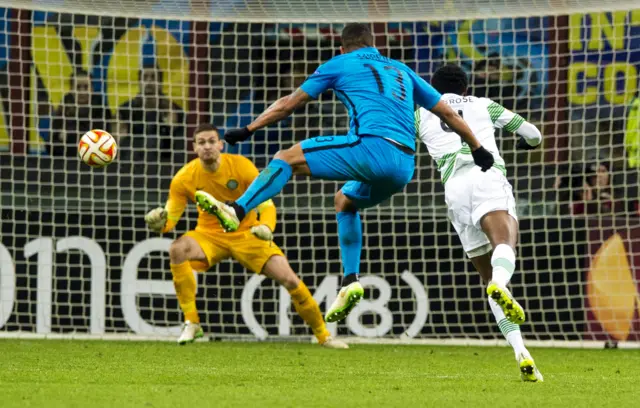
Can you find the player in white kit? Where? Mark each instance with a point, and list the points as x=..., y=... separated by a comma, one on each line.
x=480, y=204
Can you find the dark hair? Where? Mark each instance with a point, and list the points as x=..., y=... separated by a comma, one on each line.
x=356, y=35
x=591, y=171
x=205, y=127
x=450, y=78
x=155, y=67
x=76, y=74
x=492, y=60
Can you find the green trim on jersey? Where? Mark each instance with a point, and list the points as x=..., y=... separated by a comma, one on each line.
x=449, y=161
x=443, y=160
x=495, y=110
x=501, y=167
x=514, y=124
x=449, y=170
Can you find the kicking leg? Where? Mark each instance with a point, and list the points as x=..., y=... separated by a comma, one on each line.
x=502, y=230
x=278, y=269
x=349, y=200
x=182, y=251
x=325, y=157
x=267, y=185
x=510, y=331
x=350, y=237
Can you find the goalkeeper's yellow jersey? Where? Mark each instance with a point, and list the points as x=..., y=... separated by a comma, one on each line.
x=229, y=182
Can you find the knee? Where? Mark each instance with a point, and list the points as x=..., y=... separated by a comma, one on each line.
x=343, y=203
x=290, y=281
x=278, y=269
x=281, y=155
x=179, y=251
x=286, y=155
x=293, y=156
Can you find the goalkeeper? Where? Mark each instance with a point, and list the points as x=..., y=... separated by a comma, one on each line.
x=226, y=176
x=481, y=204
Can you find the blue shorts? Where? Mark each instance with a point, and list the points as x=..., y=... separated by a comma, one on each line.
x=373, y=167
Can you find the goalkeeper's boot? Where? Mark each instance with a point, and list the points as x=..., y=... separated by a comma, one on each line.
x=347, y=299
x=528, y=370
x=511, y=308
x=190, y=332
x=332, y=343
x=225, y=213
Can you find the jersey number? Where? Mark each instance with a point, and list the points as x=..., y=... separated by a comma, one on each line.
x=447, y=128
x=399, y=79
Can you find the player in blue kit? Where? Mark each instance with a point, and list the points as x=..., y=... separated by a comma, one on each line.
x=376, y=157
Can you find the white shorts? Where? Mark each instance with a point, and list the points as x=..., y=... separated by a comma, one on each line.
x=470, y=194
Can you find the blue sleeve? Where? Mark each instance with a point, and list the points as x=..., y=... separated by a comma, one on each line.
x=320, y=81
x=424, y=94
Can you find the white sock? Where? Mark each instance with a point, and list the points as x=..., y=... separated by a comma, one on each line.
x=510, y=331
x=503, y=262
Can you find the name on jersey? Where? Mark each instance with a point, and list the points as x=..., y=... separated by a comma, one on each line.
x=376, y=57
x=462, y=99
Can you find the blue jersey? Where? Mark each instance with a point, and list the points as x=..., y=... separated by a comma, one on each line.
x=380, y=93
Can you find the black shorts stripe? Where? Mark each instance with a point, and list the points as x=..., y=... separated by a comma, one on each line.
x=328, y=147
x=267, y=184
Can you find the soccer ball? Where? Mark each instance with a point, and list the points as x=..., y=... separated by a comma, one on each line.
x=97, y=148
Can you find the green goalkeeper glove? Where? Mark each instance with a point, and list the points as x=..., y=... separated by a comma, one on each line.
x=263, y=232
x=156, y=219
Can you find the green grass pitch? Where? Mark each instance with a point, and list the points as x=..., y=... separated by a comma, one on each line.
x=53, y=373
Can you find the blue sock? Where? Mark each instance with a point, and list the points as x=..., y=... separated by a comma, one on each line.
x=269, y=183
x=350, y=237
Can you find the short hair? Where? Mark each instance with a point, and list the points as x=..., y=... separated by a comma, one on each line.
x=78, y=73
x=450, y=78
x=356, y=35
x=150, y=66
x=205, y=127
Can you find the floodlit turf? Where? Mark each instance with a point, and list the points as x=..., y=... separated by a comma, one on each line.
x=137, y=374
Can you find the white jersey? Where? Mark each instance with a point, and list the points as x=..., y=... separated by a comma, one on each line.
x=447, y=148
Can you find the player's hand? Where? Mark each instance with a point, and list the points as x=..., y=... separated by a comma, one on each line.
x=156, y=219
x=263, y=232
x=234, y=136
x=523, y=145
x=483, y=158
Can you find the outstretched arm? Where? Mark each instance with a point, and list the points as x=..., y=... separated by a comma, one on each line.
x=317, y=83
x=164, y=219
x=280, y=109
x=530, y=136
x=174, y=208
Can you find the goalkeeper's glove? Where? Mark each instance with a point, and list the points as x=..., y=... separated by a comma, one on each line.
x=483, y=158
x=522, y=144
x=263, y=232
x=156, y=219
x=234, y=136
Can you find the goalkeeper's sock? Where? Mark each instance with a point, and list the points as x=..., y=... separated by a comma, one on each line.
x=503, y=262
x=185, y=284
x=350, y=237
x=510, y=331
x=268, y=184
x=308, y=309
